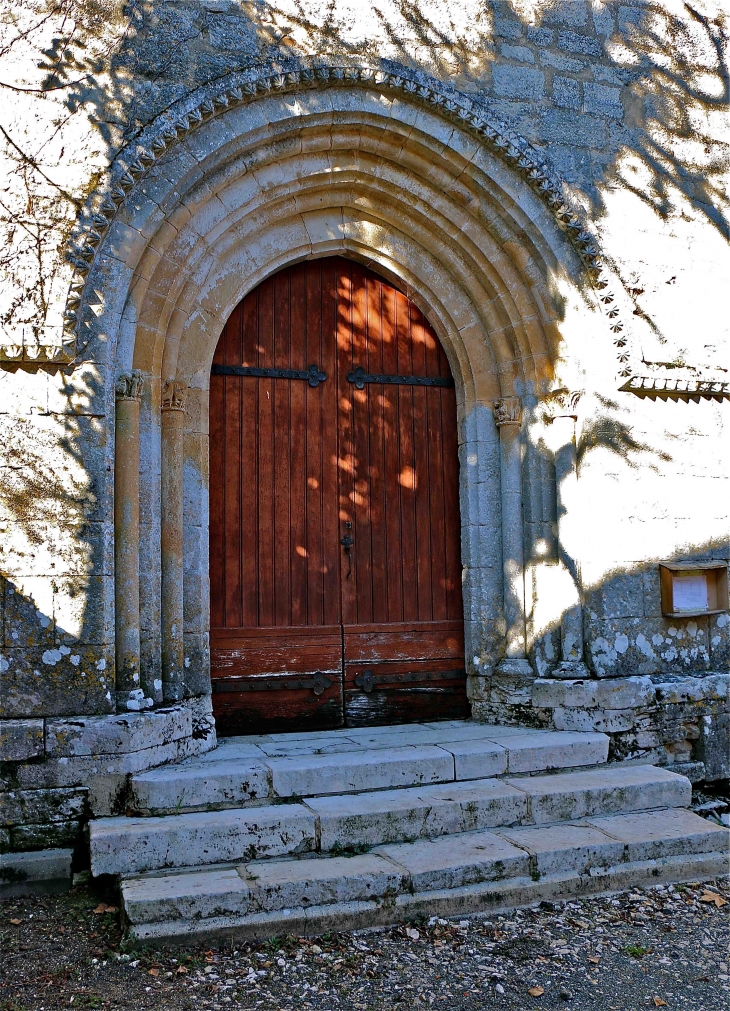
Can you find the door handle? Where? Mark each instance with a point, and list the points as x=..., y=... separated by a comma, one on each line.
x=347, y=543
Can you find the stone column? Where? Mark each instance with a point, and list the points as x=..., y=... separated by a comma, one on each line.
x=561, y=412
x=508, y=418
x=129, y=694
x=173, y=650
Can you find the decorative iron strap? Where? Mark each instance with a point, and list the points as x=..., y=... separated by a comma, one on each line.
x=313, y=374
x=318, y=684
x=367, y=680
x=359, y=377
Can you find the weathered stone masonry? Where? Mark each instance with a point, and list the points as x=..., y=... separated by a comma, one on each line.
x=534, y=187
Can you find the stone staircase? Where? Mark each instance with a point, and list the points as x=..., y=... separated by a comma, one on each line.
x=355, y=828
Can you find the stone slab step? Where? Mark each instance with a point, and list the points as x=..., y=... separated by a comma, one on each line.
x=450, y=875
x=353, y=822
x=132, y=845
x=307, y=766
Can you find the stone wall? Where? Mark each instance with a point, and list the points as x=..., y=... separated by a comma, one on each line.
x=57, y=773
x=620, y=101
x=678, y=721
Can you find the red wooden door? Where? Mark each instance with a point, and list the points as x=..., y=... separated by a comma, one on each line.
x=334, y=521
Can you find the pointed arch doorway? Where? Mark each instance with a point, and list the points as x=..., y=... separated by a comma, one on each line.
x=335, y=567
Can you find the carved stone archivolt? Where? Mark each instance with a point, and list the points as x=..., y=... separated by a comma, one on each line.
x=173, y=396
x=508, y=411
x=129, y=385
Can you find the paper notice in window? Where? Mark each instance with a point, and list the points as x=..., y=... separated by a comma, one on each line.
x=690, y=591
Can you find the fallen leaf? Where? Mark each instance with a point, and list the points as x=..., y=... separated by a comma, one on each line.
x=412, y=933
x=181, y=968
x=103, y=908
x=708, y=896
x=594, y=958
x=536, y=991
x=658, y=1002
x=16, y=922
x=153, y=972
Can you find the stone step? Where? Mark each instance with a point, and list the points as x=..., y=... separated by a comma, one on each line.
x=248, y=770
x=353, y=822
x=471, y=872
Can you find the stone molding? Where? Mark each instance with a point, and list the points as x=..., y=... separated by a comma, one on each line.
x=129, y=385
x=173, y=396
x=561, y=403
x=186, y=115
x=508, y=411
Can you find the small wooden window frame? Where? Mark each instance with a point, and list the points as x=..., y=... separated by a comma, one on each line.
x=717, y=587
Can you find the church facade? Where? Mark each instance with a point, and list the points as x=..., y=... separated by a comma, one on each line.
x=373, y=370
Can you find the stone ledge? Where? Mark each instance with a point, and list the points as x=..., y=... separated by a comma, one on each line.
x=20, y=740
x=117, y=735
x=35, y=873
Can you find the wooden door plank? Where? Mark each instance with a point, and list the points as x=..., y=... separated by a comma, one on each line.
x=249, y=464
x=266, y=428
x=327, y=281
x=282, y=451
x=362, y=526
x=299, y=395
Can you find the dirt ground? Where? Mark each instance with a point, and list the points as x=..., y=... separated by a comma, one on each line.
x=660, y=947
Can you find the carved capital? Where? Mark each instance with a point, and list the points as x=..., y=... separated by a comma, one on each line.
x=508, y=411
x=129, y=385
x=561, y=404
x=173, y=396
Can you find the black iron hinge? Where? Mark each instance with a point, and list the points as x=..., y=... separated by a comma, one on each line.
x=359, y=377
x=313, y=374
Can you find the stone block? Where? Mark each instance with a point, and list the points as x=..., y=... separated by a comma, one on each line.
x=550, y=750
x=713, y=747
x=522, y=53
x=567, y=128
x=560, y=848
x=625, y=693
x=478, y=688
x=56, y=681
x=574, y=42
x=602, y=100
x=21, y=806
x=31, y=872
x=619, y=596
x=507, y=28
x=200, y=785
x=280, y=884
x=653, y=835
x=46, y=835
x=20, y=740
x=560, y=62
x=566, y=92
x=117, y=735
x=452, y=862
x=540, y=36
x=477, y=759
x=192, y=896
x=622, y=788
x=622, y=648
x=133, y=845
x=310, y=775
x=605, y=721
x=518, y=82
x=553, y=694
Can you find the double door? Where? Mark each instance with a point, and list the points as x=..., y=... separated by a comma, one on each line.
x=335, y=567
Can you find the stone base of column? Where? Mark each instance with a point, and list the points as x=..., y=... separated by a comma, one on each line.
x=516, y=667
x=571, y=670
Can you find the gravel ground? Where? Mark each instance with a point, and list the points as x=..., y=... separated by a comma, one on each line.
x=665, y=946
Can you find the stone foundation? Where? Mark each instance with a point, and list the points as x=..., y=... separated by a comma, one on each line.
x=57, y=773
x=673, y=720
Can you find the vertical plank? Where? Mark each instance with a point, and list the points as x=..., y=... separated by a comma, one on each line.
x=249, y=518
x=330, y=402
x=314, y=463
x=346, y=451
x=266, y=449
x=298, y=397
x=362, y=525
x=232, y=532
x=391, y=440
x=437, y=465
x=376, y=415
x=422, y=491
x=282, y=452
x=407, y=462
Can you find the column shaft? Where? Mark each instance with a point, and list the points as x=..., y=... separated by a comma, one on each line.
x=508, y=416
x=173, y=656
x=126, y=542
